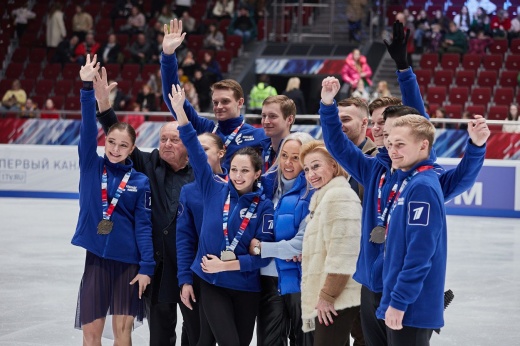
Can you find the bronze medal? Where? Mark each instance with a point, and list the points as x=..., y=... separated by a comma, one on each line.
x=227, y=255
x=378, y=235
x=105, y=227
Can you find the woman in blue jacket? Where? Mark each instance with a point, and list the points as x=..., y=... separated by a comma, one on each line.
x=279, y=317
x=189, y=224
x=230, y=285
x=114, y=226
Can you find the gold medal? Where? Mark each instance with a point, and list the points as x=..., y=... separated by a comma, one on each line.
x=227, y=255
x=378, y=235
x=105, y=227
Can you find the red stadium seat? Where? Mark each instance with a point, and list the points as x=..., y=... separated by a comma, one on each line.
x=70, y=71
x=44, y=87
x=195, y=42
x=113, y=71
x=476, y=109
x=432, y=8
x=492, y=62
x=423, y=77
x=471, y=61
x=487, y=78
x=508, y=79
x=224, y=58
x=429, y=61
x=125, y=85
x=37, y=55
x=20, y=54
x=51, y=71
x=14, y=70
x=436, y=94
x=498, y=112
x=515, y=46
x=465, y=78
x=234, y=44
x=148, y=70
x=32, y=70
x=452, y=11
x=130, y=72
x=198, y=10
x=503, y=96
x=513, y=62
x=443, y=78
x=498, y=47
x=453, y=111
x=59, y=101
x=458, y=95
x=63, y=87
x=481, y=96
x=223, y=25
x=450, y=61
x=72, y=103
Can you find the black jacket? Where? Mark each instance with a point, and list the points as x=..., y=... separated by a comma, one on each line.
x=164, y=209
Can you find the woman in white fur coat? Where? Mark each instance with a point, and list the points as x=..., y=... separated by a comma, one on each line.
x=330, y=297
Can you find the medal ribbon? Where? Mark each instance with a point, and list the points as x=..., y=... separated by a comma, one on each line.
x=108, y=210
x=382, y=216
x=243, y=225
x=403, y=185
x=268, y=159
x=232, y=135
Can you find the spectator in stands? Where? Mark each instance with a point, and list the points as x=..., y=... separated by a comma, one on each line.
x=512, y=115
x=21, y=18
x=14, y=98
x=435, y=39
x=146, y=99
x=29, y=109
x=355, y=11
x=156, y=49
x=191, y=95
x=455, y=41
x=140, y=50
x=211, y=68
x=361, y=92
x=155, y=83
x=135, y=23
x=381, y=91
x=442, y=20
x=422, y=27
x=182, y=77
x=65, y=52
x=473, y=5
x=467, y=116
x=259, y=93
x=463, y=20
x=480, y=22
x=514, y=32
x=243, y=25
x=110, y=51
x=188, y=22
x=56, y=30
x=189, y=64
x=49, y=111
x=118, y=99
x=203, y=86
x=293, y=91
x=214, y=39
x=355, y=69
x=154, y=31
x=82, y=23
x=89, y=46
x=479, y=44
x=181, y=6
x=440, y=113
x=407, y=21
x=500, y=24
x=223, y=9
x=166, y=15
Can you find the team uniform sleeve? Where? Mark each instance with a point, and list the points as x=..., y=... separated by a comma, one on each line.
x=169, y=75
x=87, y=147
x=461, y=178
x=187, y=240
x=411, y=94
x=423, y=228
x=264, y=232
x=143, y=230
x=348, y=155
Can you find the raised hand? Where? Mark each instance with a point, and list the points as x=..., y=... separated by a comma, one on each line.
x=478, y=130
x=173, y=37
x=90, y=70
x=397, y=49
x=329, y=89
x=102, y=90
x=177, y=98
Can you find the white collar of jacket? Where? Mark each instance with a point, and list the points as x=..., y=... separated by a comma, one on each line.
x=336, y=182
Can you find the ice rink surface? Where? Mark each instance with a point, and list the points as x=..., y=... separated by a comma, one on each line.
x=40, y=273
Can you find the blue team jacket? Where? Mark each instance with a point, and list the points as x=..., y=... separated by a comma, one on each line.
x=248, y=136
x=211, y=240
x=416, y=248
x=368, y=170
x=131, y=238
x=291, y=209
x=189, y=224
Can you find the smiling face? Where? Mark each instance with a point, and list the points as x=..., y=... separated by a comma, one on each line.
x=290, y=166
x=378, y=123
x=242, y=174
x=353, y=123
x=225, y=106
x=275, y=126
x=319, y=171
x=118, y=145
x=404, y=149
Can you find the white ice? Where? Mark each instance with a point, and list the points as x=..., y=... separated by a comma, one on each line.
x=40, y=273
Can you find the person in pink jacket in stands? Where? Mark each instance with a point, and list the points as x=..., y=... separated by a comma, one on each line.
x=355, y=69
